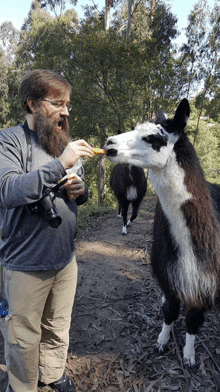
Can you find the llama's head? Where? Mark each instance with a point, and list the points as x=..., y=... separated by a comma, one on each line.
x=149, y=145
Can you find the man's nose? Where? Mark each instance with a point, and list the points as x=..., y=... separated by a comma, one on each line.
x=65, y=111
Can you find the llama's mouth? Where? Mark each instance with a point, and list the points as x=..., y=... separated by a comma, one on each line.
x=112, y=152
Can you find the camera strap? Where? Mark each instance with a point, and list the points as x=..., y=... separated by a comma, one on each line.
x=29, y=147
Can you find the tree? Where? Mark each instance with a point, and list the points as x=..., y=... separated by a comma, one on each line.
x=202, y=52
x=108, y=5
x=213, y=108
x=10, y=110
x=46, y=41
x=207, y=145
x=9, y=37
x=116, y=82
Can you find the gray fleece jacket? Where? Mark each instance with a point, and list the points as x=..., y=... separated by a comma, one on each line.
x=28, y=242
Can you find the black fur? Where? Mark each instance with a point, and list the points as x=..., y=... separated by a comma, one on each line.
x=120, y=181
x=156, y=141
x=201, y=214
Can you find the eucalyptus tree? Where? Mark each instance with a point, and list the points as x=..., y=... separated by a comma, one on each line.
x=10, y=73
x=202, y=52
x=116, y=82
x=45, y=40
x=214, y=106
x=9, y=37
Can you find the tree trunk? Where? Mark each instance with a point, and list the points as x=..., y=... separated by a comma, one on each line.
x=101, y=180
x=152, y=11
x=128, y=34
x=108, y=4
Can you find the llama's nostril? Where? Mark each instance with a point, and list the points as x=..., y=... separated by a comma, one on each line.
x=109, y=142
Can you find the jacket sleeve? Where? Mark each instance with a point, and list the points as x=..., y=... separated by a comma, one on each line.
x=83, y=198
x=17, y=187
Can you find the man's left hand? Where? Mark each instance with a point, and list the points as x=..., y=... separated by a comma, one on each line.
x=74, y=186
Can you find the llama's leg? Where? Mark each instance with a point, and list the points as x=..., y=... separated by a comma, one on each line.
x=170, y=309
x=124, y=210
x=194, y=320
x=119, y=210
x=135, y=207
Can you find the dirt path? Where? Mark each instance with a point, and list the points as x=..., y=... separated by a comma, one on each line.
x=116, y=318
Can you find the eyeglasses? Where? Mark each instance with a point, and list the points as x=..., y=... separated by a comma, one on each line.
x=59, y=105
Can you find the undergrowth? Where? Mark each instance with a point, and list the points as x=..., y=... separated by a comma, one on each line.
x=91, y=209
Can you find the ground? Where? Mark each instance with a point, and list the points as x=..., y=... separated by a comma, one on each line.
x=117, y=318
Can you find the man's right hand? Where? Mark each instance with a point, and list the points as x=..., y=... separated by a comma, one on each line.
x=73, y=151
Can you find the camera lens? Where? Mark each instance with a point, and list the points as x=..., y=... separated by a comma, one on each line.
x=55, y=222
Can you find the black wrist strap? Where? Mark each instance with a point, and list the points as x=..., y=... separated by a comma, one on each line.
x=29, y=148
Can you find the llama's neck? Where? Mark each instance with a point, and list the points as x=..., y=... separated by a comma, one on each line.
x=168, y=183
x=169, y=186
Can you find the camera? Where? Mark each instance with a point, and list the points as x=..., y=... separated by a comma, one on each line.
x=46, y=207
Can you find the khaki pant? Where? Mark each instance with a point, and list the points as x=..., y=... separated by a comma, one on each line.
x=36, y=331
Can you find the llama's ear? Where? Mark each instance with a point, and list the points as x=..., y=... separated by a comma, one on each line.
x=182, y=115
x=161, y=117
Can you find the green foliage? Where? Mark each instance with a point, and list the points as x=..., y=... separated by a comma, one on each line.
x=202, y=50
x=88, y=210
x=118, y=82
x=214, y=106
x=207, y=148
x=10, y=111
x=10, y=75
x=115, y=82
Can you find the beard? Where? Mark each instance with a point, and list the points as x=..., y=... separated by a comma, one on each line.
x=52, y=139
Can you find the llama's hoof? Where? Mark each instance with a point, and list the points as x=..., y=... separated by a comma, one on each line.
x=190, y=365
x=128, y=223
x=118, y=216
x=189, y=355
x=124, y=231
x=162, y=348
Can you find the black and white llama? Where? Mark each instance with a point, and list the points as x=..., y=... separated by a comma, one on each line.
x=129, y=185
x=186, y=236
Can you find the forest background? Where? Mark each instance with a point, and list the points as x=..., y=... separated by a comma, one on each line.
x=124, y=66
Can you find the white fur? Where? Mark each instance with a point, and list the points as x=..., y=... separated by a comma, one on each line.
x=131, y=193
x=124, y=230
x=189, y=350
x=164, y=336
x=134, y=150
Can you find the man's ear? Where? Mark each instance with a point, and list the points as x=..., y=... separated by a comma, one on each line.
x=31, y=106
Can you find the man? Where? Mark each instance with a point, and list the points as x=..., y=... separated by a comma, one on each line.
x=39, y=262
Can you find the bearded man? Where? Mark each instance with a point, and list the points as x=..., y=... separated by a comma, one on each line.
x=39, y=261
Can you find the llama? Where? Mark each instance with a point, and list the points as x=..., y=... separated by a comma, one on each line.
x=186, y=236
x=129, y=185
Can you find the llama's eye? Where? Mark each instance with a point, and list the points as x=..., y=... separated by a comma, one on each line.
x=157, y=141
x=147, y=139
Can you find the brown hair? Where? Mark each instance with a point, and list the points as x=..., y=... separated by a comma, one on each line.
x=35, y=85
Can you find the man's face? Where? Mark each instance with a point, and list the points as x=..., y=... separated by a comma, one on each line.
x=56, y=114
x=51, y=121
